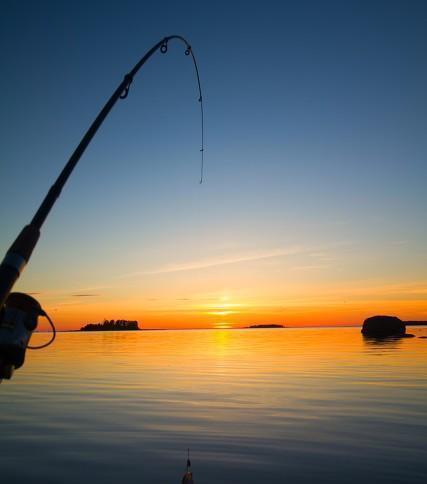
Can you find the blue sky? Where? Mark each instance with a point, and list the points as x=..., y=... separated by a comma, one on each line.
x=316, y=116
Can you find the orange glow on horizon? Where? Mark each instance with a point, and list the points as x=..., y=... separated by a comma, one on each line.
x=74, y=316
x=199, y=300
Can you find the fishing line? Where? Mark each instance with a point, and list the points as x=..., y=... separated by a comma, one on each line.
x=202, y=148
x=188, y=51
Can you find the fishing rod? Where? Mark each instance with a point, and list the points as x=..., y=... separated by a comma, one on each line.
x=19, y=312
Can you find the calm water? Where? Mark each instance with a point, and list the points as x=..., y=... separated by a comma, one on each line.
x=270, y=406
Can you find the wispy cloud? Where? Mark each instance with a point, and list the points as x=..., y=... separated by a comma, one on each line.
x=215, y=262
x=311, y=267
x=399, y=242
x=84, y=295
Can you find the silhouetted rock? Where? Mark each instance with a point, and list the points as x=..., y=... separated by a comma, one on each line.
x=265, y=326
x=381, y=326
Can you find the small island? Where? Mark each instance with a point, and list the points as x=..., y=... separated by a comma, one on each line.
x=119, y=325
x=265, y=326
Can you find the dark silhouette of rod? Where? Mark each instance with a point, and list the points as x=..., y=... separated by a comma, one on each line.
x=20, y=251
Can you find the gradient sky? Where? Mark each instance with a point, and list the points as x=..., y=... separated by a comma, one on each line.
x=313, y=207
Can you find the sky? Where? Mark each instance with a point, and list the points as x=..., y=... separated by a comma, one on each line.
x=312, y=211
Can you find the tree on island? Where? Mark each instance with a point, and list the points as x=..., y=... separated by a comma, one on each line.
x=112, y=325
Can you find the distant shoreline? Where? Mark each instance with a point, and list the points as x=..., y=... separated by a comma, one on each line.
x=408, y=323
x=415, y=323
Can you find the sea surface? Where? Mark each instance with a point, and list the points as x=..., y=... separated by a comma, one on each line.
x=254, y=406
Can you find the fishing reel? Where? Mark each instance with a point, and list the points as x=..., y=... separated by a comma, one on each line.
x=18, y=319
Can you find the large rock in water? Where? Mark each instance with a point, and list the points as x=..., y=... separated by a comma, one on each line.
x=383, y=326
